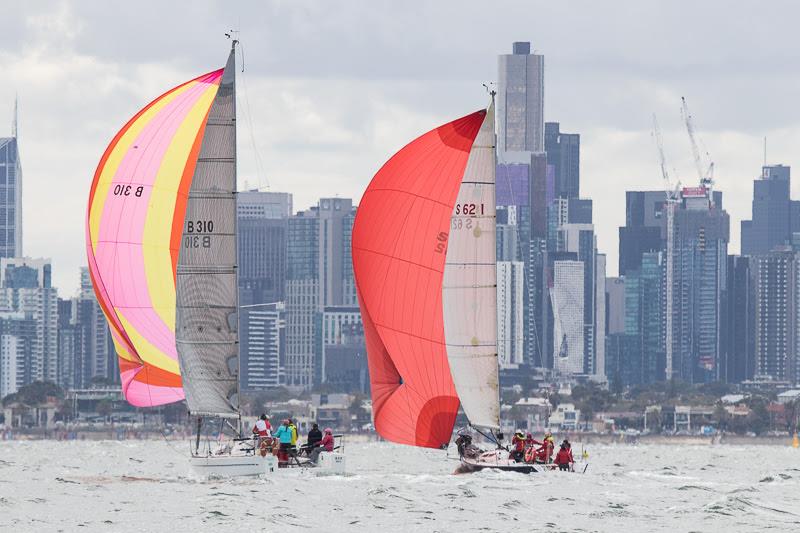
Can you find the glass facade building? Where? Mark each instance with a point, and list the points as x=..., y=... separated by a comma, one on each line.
x=10, y=198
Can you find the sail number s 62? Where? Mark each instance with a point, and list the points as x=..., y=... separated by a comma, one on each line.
x=469, y=209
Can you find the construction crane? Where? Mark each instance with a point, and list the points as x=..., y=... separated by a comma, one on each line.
x=672, y=199
x=705, y=174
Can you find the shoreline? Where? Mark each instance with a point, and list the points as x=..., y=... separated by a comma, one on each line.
x=126, y=434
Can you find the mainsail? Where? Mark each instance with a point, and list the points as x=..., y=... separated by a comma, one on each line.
x=134, y=226
x=400, y=240
x=469, y=292
x=207, y=319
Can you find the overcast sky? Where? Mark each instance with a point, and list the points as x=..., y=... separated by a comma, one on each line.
x=333, y=88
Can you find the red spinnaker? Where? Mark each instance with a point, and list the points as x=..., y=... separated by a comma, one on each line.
x=399, y=246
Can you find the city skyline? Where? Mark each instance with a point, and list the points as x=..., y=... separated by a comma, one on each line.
x=343, y=107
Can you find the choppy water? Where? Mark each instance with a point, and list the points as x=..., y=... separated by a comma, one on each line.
x=148, y=486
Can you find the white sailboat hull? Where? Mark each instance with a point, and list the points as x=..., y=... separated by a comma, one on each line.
x=234, y=465
x=331, y=463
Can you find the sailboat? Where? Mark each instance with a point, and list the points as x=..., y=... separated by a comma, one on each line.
x=424, y=259
x=162, y=251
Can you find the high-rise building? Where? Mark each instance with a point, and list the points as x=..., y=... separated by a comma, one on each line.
x=510, y=313
x=520, y=102
x=568, y=311
x=701, y=233
x=319, y=273
x=85, y=349
x=262, y=204
x=25, y=287
x=737, y=332
x=642, y=230
x=563, y=152
x=263, y=342
x=771, y=224
x=10, y=358
x=343, y=350
x=643, y=352
x=579, y=239
x=615, y=305
x=776, y=276
x=598, y=358
x=262, y=226
x=10, y=197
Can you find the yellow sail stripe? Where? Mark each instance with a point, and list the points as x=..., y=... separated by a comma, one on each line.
x=117, y=155
x=161, y=211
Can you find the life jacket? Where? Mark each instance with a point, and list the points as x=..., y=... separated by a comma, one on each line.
x=519, y=444
x=530, y=455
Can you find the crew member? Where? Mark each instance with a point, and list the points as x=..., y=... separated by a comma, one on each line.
x=262, y=427
x=284, y=435
x=325, y=445
x=314, y=437
x=564, y=458
x=518, y=446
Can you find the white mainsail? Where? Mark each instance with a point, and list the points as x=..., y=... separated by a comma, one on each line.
x=206, y=326
x=469, y=291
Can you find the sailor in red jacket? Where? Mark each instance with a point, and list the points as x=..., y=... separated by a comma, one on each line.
x=262, y=428
x=518, y=446
x=564, y=458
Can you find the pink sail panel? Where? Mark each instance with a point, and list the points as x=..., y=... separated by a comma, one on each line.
x=399, y=245
x=134, y=221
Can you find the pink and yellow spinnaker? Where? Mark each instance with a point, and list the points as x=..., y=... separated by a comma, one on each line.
x=134, y=224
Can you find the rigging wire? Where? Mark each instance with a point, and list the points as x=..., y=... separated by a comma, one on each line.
x=263, y=182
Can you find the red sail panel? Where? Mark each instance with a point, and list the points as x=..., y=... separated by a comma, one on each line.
x=399, y=246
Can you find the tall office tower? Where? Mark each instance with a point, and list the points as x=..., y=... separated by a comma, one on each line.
x=615, y=305
x=771, y=224
x=563, y=152
x=520, y=102
x=568, y=316
x=538, y=305
x=510, y=313
x=10, y=195
x=10, y=358
x=598, y=363
x=737, y=331
x=262, y=225
x=18, y=340
x=701, y=232
x=25, y=288
x=775, y=278
x=579, y=239
x=262, y=204
x=615, y=332
x=100, y=356
x=343, y=350
x=263, y=341
x=70, y=353
x=643, y=354
x=642, y=230
x=319, y=273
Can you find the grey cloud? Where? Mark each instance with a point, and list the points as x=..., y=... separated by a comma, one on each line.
x=335, y=87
